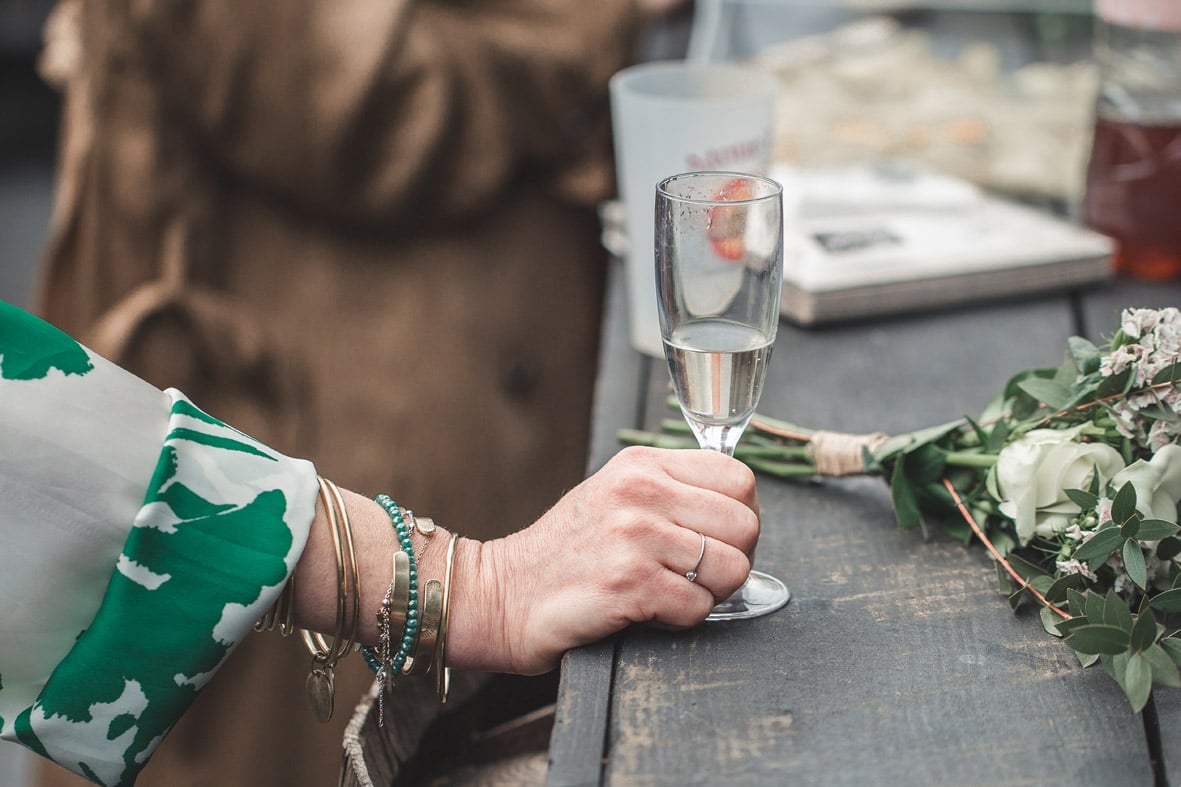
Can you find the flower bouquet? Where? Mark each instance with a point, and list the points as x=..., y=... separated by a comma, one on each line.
x=1070, y=478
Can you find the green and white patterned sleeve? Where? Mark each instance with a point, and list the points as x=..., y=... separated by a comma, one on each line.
x=141, y=539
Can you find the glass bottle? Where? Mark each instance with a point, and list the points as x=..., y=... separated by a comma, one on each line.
x=1134, y=175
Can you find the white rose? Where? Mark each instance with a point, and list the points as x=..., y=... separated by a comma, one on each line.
x=1157, y=483
x=1034, y=472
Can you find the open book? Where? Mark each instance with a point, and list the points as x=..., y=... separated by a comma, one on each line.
x=873, y=240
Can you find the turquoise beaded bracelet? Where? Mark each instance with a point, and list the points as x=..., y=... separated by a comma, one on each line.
x=410, y=629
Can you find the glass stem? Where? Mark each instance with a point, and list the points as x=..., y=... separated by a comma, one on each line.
x=719, y=437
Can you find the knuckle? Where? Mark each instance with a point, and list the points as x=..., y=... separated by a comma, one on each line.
x=634, y=488
x=633, y=456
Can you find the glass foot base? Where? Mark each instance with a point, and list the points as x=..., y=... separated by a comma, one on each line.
x=761, y=594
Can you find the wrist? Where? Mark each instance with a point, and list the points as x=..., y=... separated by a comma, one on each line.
x=476, y=637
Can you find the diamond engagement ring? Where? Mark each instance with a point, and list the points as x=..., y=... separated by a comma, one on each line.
x=691, y=574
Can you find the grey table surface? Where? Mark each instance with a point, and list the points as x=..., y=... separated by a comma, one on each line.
x=896, y=662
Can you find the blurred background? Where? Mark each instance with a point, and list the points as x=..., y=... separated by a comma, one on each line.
x=28, y=131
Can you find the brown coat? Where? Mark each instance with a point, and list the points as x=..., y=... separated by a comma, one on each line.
x=361, y=230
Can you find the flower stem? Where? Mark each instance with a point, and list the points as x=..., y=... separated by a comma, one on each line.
x=781, y=469
x=967, y=459
x=778, y=455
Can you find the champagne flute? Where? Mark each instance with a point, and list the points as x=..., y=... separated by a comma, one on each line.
x=719, y=268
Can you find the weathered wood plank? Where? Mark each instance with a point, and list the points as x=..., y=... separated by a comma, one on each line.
x=580, y=722
x=581, y=717
x=618, y=390
x=896, y=662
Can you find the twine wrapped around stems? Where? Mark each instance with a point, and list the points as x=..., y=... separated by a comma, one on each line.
x=840, y=453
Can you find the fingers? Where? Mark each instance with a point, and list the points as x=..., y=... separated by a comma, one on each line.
x=721, y=569
x=703, y=491
x=709, y=470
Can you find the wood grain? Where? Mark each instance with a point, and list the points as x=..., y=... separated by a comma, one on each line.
x=897, y=662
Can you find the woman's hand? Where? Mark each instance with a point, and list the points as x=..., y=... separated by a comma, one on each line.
x=613, y=551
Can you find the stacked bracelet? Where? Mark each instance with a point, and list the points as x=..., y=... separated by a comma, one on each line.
x=399, y=608
x=321, y=682
x=408, y=619
x=281, y=615
x=411, y=636
x=411, y=628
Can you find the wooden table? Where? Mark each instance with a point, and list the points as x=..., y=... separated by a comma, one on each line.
x=897, y=662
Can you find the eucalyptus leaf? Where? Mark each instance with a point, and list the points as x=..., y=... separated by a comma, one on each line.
x=1156, y=412
x=1098, y=638
x=1144, y=632
x=1042, y=583
x=1003, y=542
x=1057, y=591
x=1066, y=374
x=1050, y=622
x=925, y=464
x=998, y=437
x=1065, y=626
x=1168, y=602
x=1078, y=603
x=1123, y=506
x=1115, y=384
x=906, y=508
x=1130, y=527
x=1093, y=487
x=1047, y=392
x=1094, y=608
x=1085, y=354
x=1169, y=374
x=1012, y=388
x=1116, y=612
x=1138, y=681
x=1119, y=668
x=1101, y=545
x=1168, y=548
x=1164, y=670
x=901, y=443
x=1156, y=529
x=1134, y=563
x=1172, y=646
x=1084, y=500
x=1115, y=665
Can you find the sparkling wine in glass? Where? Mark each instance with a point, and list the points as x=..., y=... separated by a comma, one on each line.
x=719, y=270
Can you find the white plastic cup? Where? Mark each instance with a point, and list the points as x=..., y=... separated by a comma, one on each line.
x=671, y=117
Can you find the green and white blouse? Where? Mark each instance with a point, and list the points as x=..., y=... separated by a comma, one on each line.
x=139, y=541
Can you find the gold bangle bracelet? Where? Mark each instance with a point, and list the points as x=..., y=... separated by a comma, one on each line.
x=281, y=615
x=422, y=656
x=315, y=642
x=286, y=619
x=442, y=671
x=320, y=685
x=400, y=599
x=347, y=526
